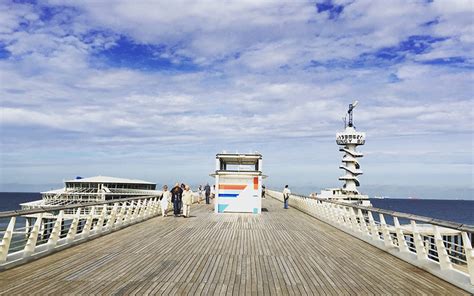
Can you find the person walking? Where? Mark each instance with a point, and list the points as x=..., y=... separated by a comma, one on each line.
x=263, y=191
x=213, y=191
x=286, y=197
x=187, y=201
x=164, y=200
x=183, y=186
x=176, y=196
x=199, y=194
x=207, y=192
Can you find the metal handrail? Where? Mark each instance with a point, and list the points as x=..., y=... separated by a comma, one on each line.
x=434, y=221
x=43, y=233
x=16, y=213
x=427, y=247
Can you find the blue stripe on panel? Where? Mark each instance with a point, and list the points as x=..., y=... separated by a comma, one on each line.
x=232, y=195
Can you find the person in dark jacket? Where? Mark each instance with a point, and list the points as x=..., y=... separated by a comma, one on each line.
x=207, y=190
x=176, y=197
x=183, y=187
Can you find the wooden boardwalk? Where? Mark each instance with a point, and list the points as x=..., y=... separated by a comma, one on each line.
x=277, y=253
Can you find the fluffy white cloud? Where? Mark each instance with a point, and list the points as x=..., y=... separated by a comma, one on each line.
x=266, y=74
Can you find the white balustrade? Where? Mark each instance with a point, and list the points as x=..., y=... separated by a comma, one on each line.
x=7, y=239
x=33, y=237
x=424, y=242
x=58, y=228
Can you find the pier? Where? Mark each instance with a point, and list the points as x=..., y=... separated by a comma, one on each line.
x=279, y=252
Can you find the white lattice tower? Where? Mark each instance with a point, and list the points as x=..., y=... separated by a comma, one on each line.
x=350, y=139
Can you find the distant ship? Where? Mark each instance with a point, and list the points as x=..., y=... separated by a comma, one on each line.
x=93, y=189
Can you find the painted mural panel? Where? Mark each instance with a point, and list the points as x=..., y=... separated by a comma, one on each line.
x=239, y=194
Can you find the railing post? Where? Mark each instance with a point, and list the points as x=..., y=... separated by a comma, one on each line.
x=87, y=228
x=363, y=224
x=100, y=222
x=322, y=209
x=156, y=207
x=347, y=219
x=150, y=207
x=444, y=261
x=333, y=213
x=113, y=215
x=402, y=243
x=31, y=243
x=137, y=210
x=338, y=215
x=314, y=206
x=7, y=238
x=353, y=217
x=419, y=245
x=373, y=227
x=41, y=231
x=143, y=207
x=54, y=237
x=129, y=214
x=121, y=215
x=387, y=238
x=466, y=242
x=27, y=226
x=73, y=228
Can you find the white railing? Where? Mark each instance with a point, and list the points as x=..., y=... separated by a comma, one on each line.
x=32, y=234
x=440, y=247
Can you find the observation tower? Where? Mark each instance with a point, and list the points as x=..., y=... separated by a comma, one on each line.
x=350, y=139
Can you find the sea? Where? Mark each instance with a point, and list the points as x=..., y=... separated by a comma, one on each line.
x=460, y=211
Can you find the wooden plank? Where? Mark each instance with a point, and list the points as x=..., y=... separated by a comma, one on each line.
x=280, y=252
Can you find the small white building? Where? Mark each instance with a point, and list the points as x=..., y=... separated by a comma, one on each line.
x=238, y=183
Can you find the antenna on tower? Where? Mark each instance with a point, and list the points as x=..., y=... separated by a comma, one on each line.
x=351, y=107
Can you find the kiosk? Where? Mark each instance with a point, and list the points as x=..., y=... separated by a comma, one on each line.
x=238, y=183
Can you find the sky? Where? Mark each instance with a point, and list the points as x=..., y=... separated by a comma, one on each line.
x=153, y=89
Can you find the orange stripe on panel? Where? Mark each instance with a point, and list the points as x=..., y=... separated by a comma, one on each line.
x=255, y=183
x=232, y=186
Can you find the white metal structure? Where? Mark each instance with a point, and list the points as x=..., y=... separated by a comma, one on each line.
x=440, y=247
x=93, y=189
x=349, y=139
x=22, y=242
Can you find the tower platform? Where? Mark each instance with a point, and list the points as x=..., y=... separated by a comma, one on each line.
x=280, y=252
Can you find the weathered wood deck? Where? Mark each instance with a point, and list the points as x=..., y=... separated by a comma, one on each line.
x=277, y=253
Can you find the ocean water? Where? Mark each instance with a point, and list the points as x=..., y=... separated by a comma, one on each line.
x=12, y=200
x=460, y=211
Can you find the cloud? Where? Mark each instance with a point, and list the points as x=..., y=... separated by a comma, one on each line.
x=158, y=77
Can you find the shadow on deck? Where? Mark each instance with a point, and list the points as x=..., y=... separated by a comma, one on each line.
x=278, y=252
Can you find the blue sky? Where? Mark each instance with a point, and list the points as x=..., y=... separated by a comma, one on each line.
x=154, y=89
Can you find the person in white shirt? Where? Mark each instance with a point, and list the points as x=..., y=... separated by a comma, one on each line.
x=187, y=201
x=213, y=191
x=286, y=196
x=199, y=197
x=164, y=200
